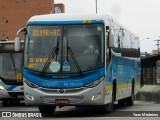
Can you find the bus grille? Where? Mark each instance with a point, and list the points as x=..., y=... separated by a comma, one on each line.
x=72, y=99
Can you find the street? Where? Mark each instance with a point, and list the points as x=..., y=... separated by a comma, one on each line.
x=138, y=111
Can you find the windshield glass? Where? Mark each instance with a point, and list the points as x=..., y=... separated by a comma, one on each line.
x=11, y=66
x=64, y=48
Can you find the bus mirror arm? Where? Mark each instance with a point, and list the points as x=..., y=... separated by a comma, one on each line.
x=20, y=31
x=111, y=40
x=110, y=37
x=18, y=40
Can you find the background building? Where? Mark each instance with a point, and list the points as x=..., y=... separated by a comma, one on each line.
x=59, y=8
x=14, y=14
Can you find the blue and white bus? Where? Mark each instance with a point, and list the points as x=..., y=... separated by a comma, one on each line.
x=11, y=79
x=79, y=60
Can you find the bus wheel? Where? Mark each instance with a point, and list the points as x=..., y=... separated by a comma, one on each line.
x=5, y=103
x=109, y=107
x=130, y=100
x=16, y=102
x=47, y=110
x=122, y=102
x=11, y=102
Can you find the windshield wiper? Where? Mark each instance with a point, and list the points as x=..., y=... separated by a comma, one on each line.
x=75, y=61
x=52, y=55
x=13, y=63
x=9, y=81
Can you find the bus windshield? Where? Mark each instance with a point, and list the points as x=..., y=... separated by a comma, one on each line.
x=11, y=66
x=64, y=48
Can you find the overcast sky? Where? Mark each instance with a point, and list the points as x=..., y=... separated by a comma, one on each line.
x=140, y=16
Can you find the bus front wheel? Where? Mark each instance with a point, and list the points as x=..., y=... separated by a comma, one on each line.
x=5, y=102
x=47, y=110
x=130, y=100
x=122, y=102
x=109, y=107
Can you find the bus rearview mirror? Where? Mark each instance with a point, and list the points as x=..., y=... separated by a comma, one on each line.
x=17, y=44
x=111, y=40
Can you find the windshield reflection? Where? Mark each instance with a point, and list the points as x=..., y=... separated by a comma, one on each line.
x=85, y=41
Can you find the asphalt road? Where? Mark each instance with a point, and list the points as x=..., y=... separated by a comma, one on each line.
x=141, y=110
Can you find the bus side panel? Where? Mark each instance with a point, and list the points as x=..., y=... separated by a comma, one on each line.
x=125, y=61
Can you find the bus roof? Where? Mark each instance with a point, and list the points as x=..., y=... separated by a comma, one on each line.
x=67, y=17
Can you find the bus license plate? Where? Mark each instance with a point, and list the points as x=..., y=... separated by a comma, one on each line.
x=61, y=101
x=20, y=96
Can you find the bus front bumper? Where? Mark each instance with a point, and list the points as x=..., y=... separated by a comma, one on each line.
x=67, y=97
x=11, y=95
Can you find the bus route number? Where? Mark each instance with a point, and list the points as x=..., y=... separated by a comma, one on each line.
x=73, y=84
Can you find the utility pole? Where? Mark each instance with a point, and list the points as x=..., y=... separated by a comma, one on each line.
x=96, y=6
x=157, y=45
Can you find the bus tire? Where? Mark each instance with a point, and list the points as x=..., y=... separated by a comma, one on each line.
x=107, y=108
x=5, y=103
x=16, y=102
x=46, y=110
x=130, y=100
x=11, y=102
x=122, y=102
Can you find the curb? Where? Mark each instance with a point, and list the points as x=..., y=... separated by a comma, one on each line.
x=149, y=93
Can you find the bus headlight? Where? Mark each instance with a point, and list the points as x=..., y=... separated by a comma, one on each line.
x=30, y=84
x=95, y=83
x=2, y=88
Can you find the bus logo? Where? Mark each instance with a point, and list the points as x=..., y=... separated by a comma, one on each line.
x=61, y=91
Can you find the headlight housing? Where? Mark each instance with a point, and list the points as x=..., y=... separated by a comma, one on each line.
x=2, y=88
x=30, y=84
x=95, y=83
